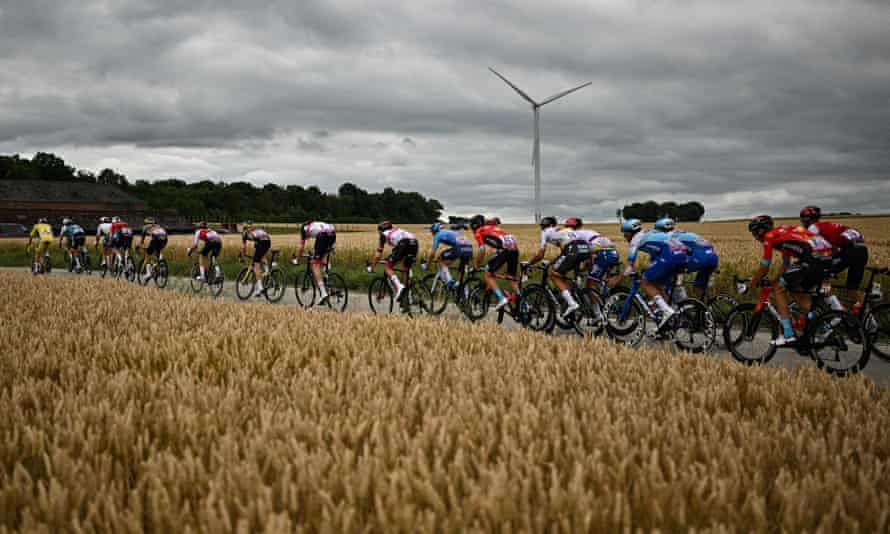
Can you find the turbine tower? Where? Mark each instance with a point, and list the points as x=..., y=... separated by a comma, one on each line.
x=536, y=148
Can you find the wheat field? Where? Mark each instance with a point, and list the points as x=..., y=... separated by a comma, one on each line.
x=128, y=409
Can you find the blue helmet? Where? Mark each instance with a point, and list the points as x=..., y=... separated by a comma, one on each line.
x=435, y=227
x=631, y=225
x=665, y=224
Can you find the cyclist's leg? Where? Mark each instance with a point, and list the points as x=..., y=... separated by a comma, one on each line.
x=660, y=272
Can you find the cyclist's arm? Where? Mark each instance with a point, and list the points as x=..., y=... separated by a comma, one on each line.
x=379, y=251
x=765, y=263
x=244, y=244
x=61, y=235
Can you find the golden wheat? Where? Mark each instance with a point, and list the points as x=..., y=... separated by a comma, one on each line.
x=128, y=409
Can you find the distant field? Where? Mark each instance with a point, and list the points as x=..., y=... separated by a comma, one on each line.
x=129, y=409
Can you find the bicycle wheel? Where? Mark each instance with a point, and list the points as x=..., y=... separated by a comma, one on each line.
x=380, y=296
x=196, y=283
x=338, y=293
x=85, y=262
x=162, y=273
x=720, y=305
x=415, y=299
x=275, y=284
x=477, y=302
x=625, y=318
x=245, y=284
x=588, y=320
x=103, y=267
x=142, y=276
x=130, y=269
x=877, y=326
x=304, y=289
x=47, y=265
x=749, y=335
x=550, y=319
x=217, y=279
x=838, y=343
x=536, y=309
x=694, y=326
x=69, y=262
x=438, y=293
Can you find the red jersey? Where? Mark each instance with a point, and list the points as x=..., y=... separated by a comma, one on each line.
x=794, y=242
x=836, y=233
x=494, y=236
x=116, y=227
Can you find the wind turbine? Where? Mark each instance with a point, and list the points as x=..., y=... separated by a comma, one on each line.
x=536, y=148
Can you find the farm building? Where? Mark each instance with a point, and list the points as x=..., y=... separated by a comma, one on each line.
x=24, y=201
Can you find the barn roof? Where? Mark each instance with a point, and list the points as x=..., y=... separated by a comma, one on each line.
x=47, y=191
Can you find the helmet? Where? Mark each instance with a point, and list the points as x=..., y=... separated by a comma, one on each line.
x=247, y=225
x=572, y=222
x=66, y=221
x=201, y=224
x=547, y=222
x=760, y=223
x=435, y=227
x=810, y=214
x=41, y=220
x=493, y=221
x=104, y=220
x=665, y=224
x=385, y=225
x=148, y=220
x=631, y=225
x=115, y=219
x=477, y=221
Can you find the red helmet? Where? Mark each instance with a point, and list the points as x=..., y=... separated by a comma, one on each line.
x=810, y=214
x=572, y=222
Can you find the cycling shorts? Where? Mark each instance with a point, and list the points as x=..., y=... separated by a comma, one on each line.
x=463, y=253
x=703, y=261
x=211, y=248
x=572, y=257
x=77, y=240
x=324, y=244
x=404, y=251
x=603, y=261
x=663, y=268
x=805, y=275
x=156, y=245
x=42, y=246
x=508, y=256
x=260, y=248
x=853, y=257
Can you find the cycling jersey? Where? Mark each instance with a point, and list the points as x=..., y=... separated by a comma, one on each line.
x=71, y=231
x=703, y=259
x=693, y=241
x=602, y=242
x=104, y=230
x=207, y=235
x=793, y=242
x=839, y=235
x=154, y=231
x=118, y=226
x=394, y=235
x=492, y=236
x=560, y=238
x=314, y=229
x=451, y=238
x=256, y=234
x=656, y=244
x=43, y=231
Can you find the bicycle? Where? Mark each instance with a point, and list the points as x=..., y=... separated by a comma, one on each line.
x=78, y=263
x=458, y=293
x=214, y=278
x=875, y=315
x=531, y=307
x=414, y=299
x=160, y=273
x=692, y=327
x=835, y=339
x=43, y=265
x=121, y=265
x=274, y=279
x=720, y=304
x=587, y=320
x=306, y=287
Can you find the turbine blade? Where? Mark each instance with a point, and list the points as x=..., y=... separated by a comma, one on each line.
x=518, y=90
x=557, y=96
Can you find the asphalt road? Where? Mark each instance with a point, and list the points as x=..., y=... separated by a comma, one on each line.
x=877, y=370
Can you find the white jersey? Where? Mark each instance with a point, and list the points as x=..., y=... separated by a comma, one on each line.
x=316, y=228
x=395, y=235
x=585, y=235
x=103, y=229
x=601, y=242
x=560, y=238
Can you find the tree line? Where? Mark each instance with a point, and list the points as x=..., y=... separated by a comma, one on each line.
x=239, y=200
x=651, y=211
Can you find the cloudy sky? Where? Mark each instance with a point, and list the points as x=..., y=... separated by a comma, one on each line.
x=759, y=107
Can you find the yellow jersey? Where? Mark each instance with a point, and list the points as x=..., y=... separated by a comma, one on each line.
x=43, y=231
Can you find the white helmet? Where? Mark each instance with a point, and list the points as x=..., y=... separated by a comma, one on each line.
x=115, y=219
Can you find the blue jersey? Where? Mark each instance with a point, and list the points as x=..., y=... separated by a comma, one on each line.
x=450, y=238
x=692, y=240
x=656, y=244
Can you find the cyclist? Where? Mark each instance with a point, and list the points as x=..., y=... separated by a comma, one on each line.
x=158, y=241
x=506, y=253
x=75, y=236
x=121, y=235
x=813, y=258
x=212, y=247
x=574, y=254
x=849, y=250
x=404, y=250
x=325, y=236
x=103, y=231
x=262, y=242
x=703, y=259
x=459, y=248
x=666, y=257
x=603, y=253
x=43, y=232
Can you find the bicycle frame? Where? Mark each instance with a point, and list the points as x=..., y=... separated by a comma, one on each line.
x=634, y=294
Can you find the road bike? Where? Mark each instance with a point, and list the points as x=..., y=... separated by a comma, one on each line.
x=691, y=327
x=122, y=264
x=43, y=265
x=531, y=307
x=720, y=304
x=413, y=301
x=457, y=292
x=214, y=277
x=158, y=271
x=306, y=287
x=587, y=320
x=274, y=279
x=835, y=339
x=78, y=263
x=875, y=314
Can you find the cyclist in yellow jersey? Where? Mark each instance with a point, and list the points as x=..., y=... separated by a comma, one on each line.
x=43, y=232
